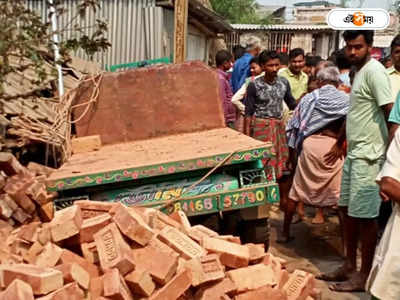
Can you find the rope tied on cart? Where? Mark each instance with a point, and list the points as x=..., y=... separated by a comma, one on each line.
x=220, y=164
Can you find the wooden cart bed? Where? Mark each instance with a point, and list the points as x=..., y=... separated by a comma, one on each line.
x=158, y=156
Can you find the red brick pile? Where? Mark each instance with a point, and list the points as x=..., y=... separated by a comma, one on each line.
x=23, y=195
x=97, y=250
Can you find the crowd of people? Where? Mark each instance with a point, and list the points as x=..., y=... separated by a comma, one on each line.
x=330, y=123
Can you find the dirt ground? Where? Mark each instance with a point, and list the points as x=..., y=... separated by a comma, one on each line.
x=316, y=249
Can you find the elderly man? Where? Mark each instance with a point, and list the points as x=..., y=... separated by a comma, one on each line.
x=312, y=131
x=241, y=69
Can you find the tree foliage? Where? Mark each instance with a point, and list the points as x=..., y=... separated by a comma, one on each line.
x=239, y=11
x=26, y=40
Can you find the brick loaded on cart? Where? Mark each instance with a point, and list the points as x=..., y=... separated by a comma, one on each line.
x=188, y=161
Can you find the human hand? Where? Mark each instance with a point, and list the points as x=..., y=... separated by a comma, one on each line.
x=334, y=154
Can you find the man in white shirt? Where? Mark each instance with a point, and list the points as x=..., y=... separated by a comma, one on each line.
x=384, y=279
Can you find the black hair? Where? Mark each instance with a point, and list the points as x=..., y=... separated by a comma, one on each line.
x=368, y=35
x=312, y=61
x=283, y=58
x=222, y=57
x=341, y=60
x=395, y=42
x=295, y=52
x=255, y=60
x=238, y=51
x=265, y=56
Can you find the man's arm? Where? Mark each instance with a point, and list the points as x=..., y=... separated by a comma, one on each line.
x=289, y=99
x=249, y=107
x=238, y=97
x=337, y=151
x=390, y=189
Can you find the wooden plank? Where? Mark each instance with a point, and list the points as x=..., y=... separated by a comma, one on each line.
x=180, y=30
x=158, y=156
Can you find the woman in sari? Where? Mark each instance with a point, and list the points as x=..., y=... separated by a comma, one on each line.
x=312, y=132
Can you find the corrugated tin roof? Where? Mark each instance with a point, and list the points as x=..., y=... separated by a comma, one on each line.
x=280, y=27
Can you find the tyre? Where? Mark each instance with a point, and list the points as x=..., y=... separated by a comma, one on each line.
x=255, y=231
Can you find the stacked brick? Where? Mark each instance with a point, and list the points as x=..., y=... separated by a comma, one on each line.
x=99, y=251
x=23, y=195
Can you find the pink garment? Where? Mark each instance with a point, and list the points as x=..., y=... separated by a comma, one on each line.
x=316, y=183
x=226, y=94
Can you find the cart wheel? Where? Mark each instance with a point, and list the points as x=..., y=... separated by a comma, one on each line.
x=255, y=231
x=211, y=221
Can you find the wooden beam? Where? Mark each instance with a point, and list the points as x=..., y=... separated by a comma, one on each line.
x=203, y=28
x=180, y=30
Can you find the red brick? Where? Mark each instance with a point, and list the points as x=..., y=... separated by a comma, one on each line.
x=252, y=277
x=44, y=234
x=46, y=212
x=9, y=201
x=132, y=225
x=42, y=280
x=70, y=257
x=180, y=217
x=191, y=106
x=66, y=223
x=266, y=292
x=113, y=251
x=37, y=192
x=91, y=226
x=231, y=254
x=96, y=287
x=70, y=291
x=299, y=286
x=163, y=247
x=205, y=230
x=29, y=232
x=214, y=291
x=73, y=272
x=91, y=209
x=257, y=252
x=20, y=216
x=10, y=165
x=17, y=290
x=16, y=189
x=175, y=287
x=205, y=269
x=181, y=243
x=115, y=286
x=39, y=169
x=5, y=210
x=282, y=278
x=33, y=252
x=196, y=235
x=50, y=256
x=89, y=252
x=140, y=282
x=160, y=265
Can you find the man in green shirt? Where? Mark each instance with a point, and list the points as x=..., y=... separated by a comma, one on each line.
x=367, y=138
x=394, y=74
x=298, y=80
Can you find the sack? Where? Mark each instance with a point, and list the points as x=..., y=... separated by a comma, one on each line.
x=384, y=279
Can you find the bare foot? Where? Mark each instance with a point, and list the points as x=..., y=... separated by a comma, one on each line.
x=355, y=284
x=341, y=274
